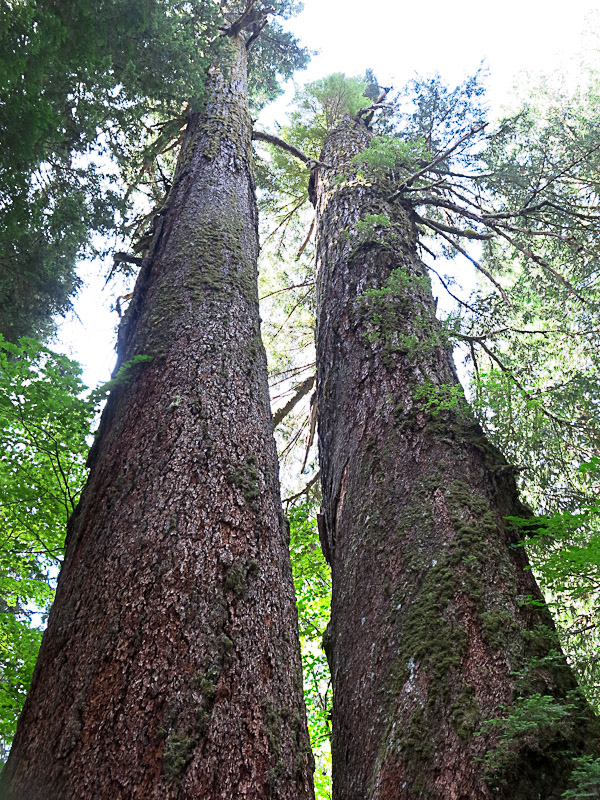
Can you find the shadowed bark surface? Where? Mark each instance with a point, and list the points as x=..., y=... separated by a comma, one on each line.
x=430, y=634
x=171, y=666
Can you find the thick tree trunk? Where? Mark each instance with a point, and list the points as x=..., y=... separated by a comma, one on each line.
x=171, y=667
x=429, y=634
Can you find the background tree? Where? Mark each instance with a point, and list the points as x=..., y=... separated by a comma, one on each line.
x=88, y=84
x=44, y=421
x=174, y=623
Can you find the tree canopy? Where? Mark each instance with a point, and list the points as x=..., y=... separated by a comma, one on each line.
x=96, y=94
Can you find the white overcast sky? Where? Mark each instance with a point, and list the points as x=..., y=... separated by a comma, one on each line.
x=396, y=39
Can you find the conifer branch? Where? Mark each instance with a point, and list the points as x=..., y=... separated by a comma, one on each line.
x=306, y=489
x=477, y=265
x=539, y=260
x=467, y=233
x=441, y=157
x=446, y=287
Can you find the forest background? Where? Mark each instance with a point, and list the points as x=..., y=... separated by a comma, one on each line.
x=530, y=38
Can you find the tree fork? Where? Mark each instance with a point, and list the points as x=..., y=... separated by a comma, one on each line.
x=170, y=668
x=431, y=632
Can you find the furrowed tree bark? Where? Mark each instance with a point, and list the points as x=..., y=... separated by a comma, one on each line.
x=430, y=633
x=171, y=665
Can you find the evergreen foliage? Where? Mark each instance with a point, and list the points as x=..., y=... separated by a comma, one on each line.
x=312, y=581
x=84, y=84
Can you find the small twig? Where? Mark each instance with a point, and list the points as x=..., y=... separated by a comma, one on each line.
x=289, y=373
x=294, y=439
x=297, y=305
x=287, y=289
x=286, y=219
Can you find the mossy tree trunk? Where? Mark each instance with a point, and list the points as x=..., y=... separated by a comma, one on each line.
x=171, y=666
x=430, y=632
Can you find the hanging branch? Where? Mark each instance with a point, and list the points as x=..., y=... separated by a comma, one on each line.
x=286, y=218
x=453, y=296
x=476, y=264
x=312, y=429
x=306, y=241
x=297, y=305
x=539, y=260
x=480, y=340
x=294, y=439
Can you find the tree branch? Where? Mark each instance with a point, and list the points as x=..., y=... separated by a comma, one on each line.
x=249, y=18
x=261, y=136
x=453, y=296
x=468, y=233
x=301, y=391
x=477, y=265
x=538, y=260
x=306, y=241
x=412, y=178
x=306, y=489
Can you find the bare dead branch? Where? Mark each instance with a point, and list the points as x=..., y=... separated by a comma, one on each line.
x=261, y=136
x=453, y=296
x=126, y=258
x=306, y=241
x=306, y=489
x=250, y=18
x=296, y=306
x=312, y=428
x=301, y=391
x=287, y=289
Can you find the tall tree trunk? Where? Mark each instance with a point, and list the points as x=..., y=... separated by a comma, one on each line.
x=429, y=634
x=171, y=666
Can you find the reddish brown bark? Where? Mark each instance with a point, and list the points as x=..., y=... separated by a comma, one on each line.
x=429, y=634
x=171, y=667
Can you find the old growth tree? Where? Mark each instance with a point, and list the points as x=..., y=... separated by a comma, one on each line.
x=448, y=677
x=170, y=666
